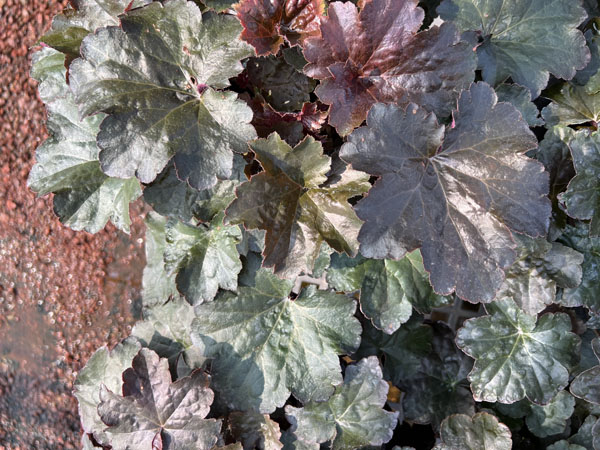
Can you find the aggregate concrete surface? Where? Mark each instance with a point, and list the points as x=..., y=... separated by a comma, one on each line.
x=62, y=293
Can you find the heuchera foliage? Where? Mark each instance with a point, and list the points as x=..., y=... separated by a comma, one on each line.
x=324, y=177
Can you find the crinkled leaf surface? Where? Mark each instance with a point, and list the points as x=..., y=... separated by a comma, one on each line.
x=166, y=330
x=166, y=106
x=157, y=285
x=588, y=292
x=454, y=193
x=353, y=417
x=204, y=257
x=279, y=83
x=587, y=384
x=582, y=197
x=156, y=413
x=266, y=345
x=572, y=105
x=439, y=387
x=564, y=445
x=104, y=368
x=480, y=432
x=541, y=266
x=517, y=357
x=82, y=17
x=296, y=206
x=520, y=98
x=254, y=430
x=67, y=162
x=388, y=289
x=552, y=418
x=269, y=23
x=219, y=5
x=524, y=40
x=171, y=197
x=378, y=55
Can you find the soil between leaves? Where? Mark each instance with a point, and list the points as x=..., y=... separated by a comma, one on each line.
x=62, y=293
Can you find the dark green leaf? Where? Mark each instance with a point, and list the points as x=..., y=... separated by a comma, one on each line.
x=67, y=162
x=388, y=289
x=156, y=413
x=523, y=40
x=168, y=105
x=520, y=98
x=552, y=418
x=517, y=356
x=204, y=257
x=455, y=197
x=541, y=266
x=587, y=383
x=582, y=197
x=572, y=105
x=353, y=417
x=298, y=209
x=266, y=345
x=254, y=430
x=82, y=17
x=481, y=432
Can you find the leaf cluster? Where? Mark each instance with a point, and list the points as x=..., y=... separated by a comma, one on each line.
x=327, y=180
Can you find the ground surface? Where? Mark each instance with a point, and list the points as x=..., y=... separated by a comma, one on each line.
x=62, y=293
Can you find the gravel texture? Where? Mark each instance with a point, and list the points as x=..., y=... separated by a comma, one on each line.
x=62, y=293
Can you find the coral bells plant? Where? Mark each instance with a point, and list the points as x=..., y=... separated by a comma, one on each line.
x=323, y=178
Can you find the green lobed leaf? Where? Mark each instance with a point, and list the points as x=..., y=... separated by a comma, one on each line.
x=379, y=55
x=205, y=258
x=455, y=196
x=587, y=384
x=67, y=162
x=564, y=445
x=388, y=289
x=517, y=356
x=291, y=442
x=582, y=197
x=82, y=17
x=167, y=107
x=541, y=267
x=166, y=330
x=266, y=345
x=279, y=83
x=520, y=98
x=552, y=418
x=254, y=430
x=171, y=197
x=572, y=105
x=439, y=388
x=402, y=352
x=588, y=292
x=523, y=40
x=104, y=368
x=157, y=413
x=292, y=200
x=353, y=417
x=157, y=285
x=480, y=432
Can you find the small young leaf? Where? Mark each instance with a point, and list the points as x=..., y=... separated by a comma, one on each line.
x=520, y=98
x=298, y=209
x=205, y=258
x=266, y=345
x=523, y=40
x=270, y=23
x=481, y=432
x=517, y=357
x=378, y=55
x=67, y=162
x=455, y=197
x=572, y=105
x=157, y=413
x=587, y=383
x=169, y=105
x=353, y=417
